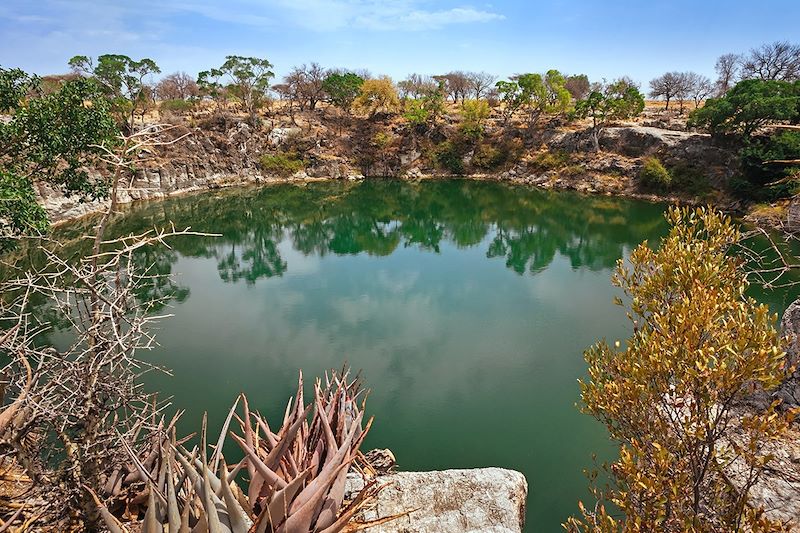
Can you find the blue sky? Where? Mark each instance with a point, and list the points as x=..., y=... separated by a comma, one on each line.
x=396, y=37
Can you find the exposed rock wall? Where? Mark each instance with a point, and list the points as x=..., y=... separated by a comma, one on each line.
x=228, y=154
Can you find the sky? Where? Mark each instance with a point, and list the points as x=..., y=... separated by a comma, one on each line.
x=603, y=39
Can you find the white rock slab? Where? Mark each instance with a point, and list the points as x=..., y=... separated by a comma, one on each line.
x=480, y=500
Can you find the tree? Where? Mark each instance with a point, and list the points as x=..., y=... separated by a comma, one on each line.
x=727, y=68
x=122, y=77
x=416, y=85
x=377, y=95
x=249, y=81
x=687, y=457
x=511, y=98
x=209, y=84
x=776, y=61
x=427, y=108
x=578, y=86
x=51, y=138
x=456, y=85
x=306, y=84
x=480, y=83
x=543, y=94
x=700, y=87
x=473, y=116
x=342, y=89
x=750, y=105
x=608, y=102
x=177, y=86
x=668, y=86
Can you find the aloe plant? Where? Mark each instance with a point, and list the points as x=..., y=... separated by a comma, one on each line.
x=296, y=477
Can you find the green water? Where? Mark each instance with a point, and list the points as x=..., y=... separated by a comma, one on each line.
x=467, y=305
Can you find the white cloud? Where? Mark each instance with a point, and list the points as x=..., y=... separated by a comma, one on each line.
x=431, y=20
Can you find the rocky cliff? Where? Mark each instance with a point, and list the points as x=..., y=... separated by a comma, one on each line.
x=225, y=153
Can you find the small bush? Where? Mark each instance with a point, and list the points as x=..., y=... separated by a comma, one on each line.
x=547, y=160
x=449, y=157
x=176, y=106
x=654, y=175
x=281, y=164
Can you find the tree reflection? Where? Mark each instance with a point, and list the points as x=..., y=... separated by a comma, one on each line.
x=527, y=227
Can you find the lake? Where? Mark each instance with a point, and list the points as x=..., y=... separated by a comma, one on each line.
x=466, y=305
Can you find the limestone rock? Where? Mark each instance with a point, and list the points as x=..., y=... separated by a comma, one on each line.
x=482, y=500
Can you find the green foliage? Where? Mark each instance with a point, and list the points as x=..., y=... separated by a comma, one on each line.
x=449, y=156
x=748, y=106
x=52, y=138
x=667, y=395
x=427, y=108
x=511, y=98
x=177, y=106
x=122, y=78
x=415, y=112
x=768, y=180
x=15, y=85
x=544, y=94
x=249, y=81
x=654, y=175
x=284, y=164
x=539, y=94
x=342, y=89
x=617, y=100
x=473, y=116
x=20, y=213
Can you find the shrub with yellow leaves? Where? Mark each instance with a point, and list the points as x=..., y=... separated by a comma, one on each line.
x=669, y=396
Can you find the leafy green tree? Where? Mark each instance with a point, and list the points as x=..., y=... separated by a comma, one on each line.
x=122, y=78
x=749, y=106
x=688, y=457
x=617, y=100
x=51, y=138
x=512, y=98
x=544, y=94
x=209, y=84
x=249, y=79
x=428, y=107
x=342, y=89
x=15, y=84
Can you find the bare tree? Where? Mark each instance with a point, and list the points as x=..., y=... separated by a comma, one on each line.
x=684, y=88
x=480, y=83
x=177, y=86
x=776, y=61
x=699, y=87
x=667, y=86
x=727, y=68
x=456, y=85
x=67, y=412
x=416, y=85
x=578, y=86
x=305, y=84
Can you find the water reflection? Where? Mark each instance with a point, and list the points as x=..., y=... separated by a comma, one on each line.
x=527, y=227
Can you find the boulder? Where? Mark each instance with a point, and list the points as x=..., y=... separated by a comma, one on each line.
x=481, y=500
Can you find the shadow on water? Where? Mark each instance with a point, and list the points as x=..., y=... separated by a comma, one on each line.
x=467, y=305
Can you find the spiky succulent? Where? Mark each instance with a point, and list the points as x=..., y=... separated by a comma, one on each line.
x=296, y=476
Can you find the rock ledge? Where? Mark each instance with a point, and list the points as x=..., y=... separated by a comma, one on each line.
x=485, y=500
